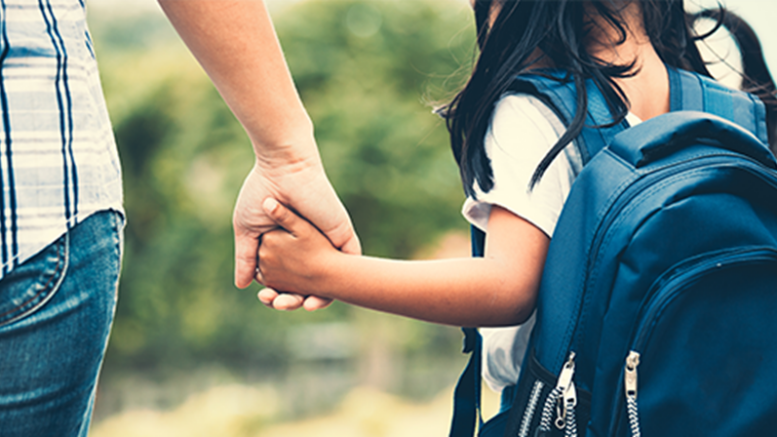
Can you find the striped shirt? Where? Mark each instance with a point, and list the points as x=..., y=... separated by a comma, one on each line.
x=58, y=158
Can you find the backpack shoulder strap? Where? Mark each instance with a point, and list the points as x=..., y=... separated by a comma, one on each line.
x=466, y=395
x=558, y=91
x=692, y=91
x=688, y=91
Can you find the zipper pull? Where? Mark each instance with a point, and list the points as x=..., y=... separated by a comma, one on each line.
x=570, y=397
x=630, y=375
x=630, y=383
x=567, y=389
x=570, y=401
x=565, y=378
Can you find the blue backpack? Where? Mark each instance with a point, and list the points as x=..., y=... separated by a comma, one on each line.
x=658, y=300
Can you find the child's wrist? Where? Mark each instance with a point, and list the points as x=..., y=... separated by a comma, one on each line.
x=329, y=274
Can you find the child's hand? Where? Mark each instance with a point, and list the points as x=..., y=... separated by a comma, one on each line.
x=295, y=258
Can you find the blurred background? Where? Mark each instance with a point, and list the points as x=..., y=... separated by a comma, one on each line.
x=190, y=354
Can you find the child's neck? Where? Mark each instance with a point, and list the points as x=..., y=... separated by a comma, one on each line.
x=648, y=90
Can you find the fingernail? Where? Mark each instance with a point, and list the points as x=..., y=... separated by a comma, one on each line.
x=270, y=204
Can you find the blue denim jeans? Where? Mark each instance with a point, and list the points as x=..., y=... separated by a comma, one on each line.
x=56, y=311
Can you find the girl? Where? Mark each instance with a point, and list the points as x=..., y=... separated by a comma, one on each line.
x=514, y=162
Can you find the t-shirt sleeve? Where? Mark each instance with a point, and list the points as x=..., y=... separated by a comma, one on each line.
x=519, y=137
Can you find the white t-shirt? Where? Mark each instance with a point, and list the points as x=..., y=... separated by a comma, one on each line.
x=522, y=131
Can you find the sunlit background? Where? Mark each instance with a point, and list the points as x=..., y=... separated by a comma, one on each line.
x=191, y=355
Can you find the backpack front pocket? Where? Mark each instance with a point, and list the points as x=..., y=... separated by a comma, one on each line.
x=702, y=360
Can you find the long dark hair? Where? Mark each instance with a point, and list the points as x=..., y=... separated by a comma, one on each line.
x=558, y=29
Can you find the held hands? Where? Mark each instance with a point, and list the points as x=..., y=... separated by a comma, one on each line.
x=295, y=258
x=235, y=43
x=303, y=186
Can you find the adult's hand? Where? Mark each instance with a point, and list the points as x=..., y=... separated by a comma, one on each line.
x=301, y=185
x=235, y=43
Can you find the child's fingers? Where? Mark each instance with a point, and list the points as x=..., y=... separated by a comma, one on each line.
x=280, y=301
x=288, y=301
x=267, y=296
x=313, y=303
x=284, y=217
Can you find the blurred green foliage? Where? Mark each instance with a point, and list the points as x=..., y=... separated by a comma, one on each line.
x=368, y=72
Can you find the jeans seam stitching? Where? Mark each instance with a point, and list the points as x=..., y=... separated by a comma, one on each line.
x=57, y=277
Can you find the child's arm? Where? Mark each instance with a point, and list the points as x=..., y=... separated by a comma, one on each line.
x=498, y=289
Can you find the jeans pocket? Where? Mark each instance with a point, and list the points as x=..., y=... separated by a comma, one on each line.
x=30, y=285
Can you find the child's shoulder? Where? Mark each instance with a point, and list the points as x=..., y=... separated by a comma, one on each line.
x=524, y=116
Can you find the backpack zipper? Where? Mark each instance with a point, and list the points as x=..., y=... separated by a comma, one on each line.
x=566, y=388
x=531, y=407
x=630, y=385
x=630, y=374
x=563, y=392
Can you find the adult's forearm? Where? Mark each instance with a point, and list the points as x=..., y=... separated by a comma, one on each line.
x=235, y=43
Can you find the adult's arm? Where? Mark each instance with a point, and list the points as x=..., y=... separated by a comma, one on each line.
x=236, y=44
